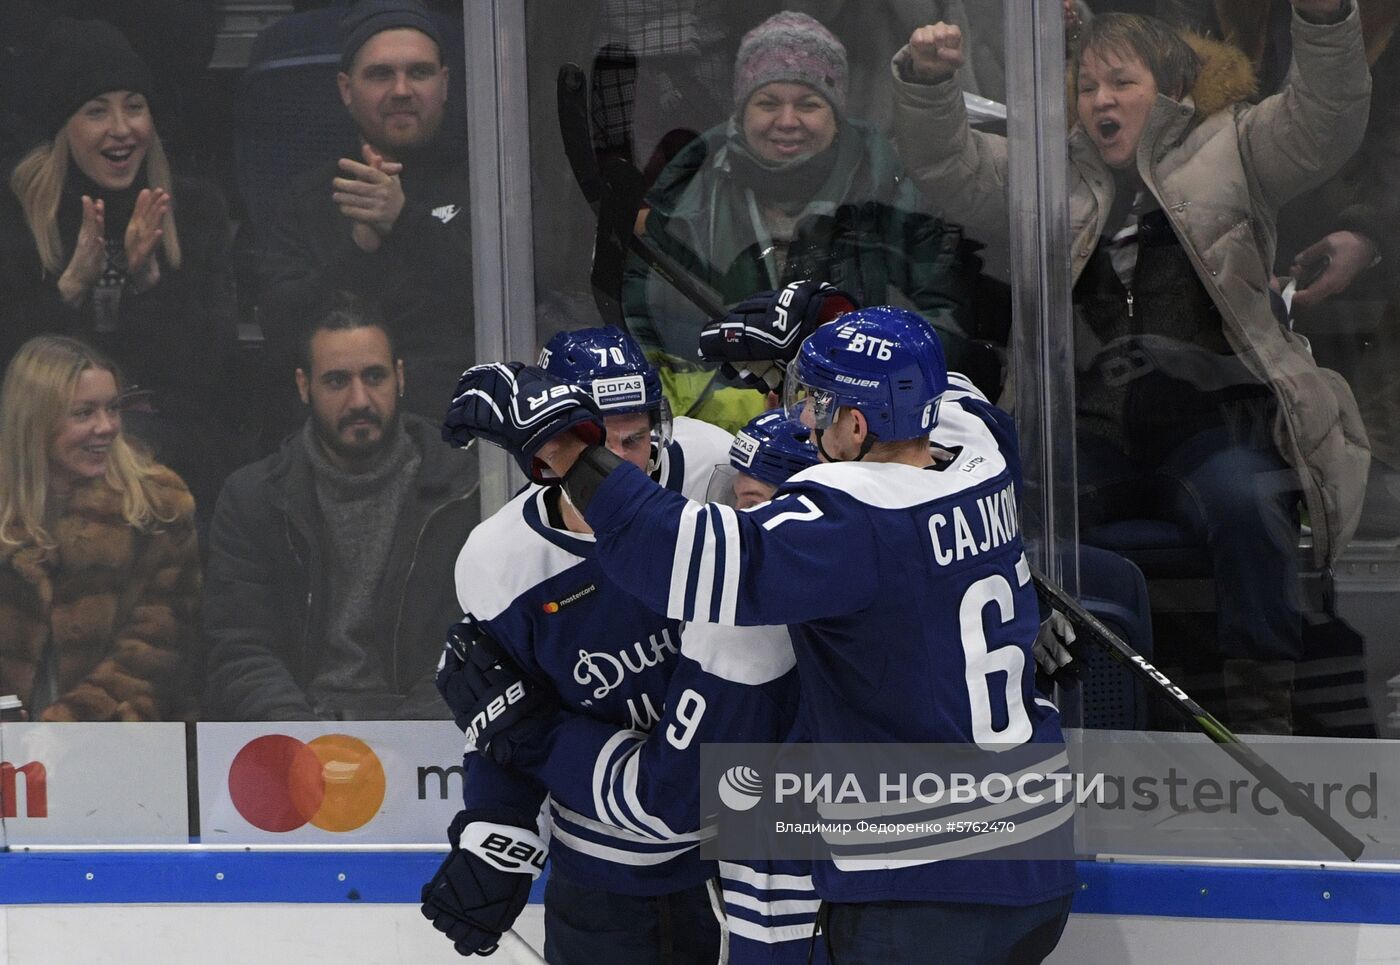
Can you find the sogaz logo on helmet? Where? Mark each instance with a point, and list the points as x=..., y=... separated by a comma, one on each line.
x=619, y=390
x=745, y=447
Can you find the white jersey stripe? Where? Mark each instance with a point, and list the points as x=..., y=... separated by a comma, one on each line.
x=597, y=827
x=729, y=592
x=786, y=906
x=616, y=812
x=946, y=850
x=601, y=772
x=629, y=793
x=771, y=935
x=680, y=562
x=960, y=386
x=617, y=855
x=743, y=873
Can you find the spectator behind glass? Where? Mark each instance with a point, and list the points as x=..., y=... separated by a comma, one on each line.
x=1340, y=236
x=176, y=37
x=390, y=225
x=788, y=188
x=99, y=568
x=873, y=29
x=98, y=240
x=330, y=561
x=1193, y=402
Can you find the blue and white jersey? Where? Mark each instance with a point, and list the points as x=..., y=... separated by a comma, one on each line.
x=732, y=684
x=912, y=614
x=770, y=912
x=537, y=590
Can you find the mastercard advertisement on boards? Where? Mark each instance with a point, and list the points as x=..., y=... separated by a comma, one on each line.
x=385, y=782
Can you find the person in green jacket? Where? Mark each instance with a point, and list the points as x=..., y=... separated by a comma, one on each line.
x=786, y=189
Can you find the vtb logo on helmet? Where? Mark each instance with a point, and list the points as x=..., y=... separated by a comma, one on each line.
x=885, y=362
x=607, y=364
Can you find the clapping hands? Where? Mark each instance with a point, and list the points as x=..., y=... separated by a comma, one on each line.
x=371, y=195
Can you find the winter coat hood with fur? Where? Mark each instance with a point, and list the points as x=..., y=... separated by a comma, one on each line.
x=1220, y=169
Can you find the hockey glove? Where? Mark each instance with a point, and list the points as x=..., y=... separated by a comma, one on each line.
x=1053, y=650
x=491, y=699
x=756, y=340
x=519, y=408
x=482, y=885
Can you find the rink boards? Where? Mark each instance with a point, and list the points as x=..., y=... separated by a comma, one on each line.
x=212, y=833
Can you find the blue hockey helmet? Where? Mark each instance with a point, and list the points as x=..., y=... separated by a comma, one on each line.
x=772, y=447
x=886, y=362
x=769, y=449
x=610, y=365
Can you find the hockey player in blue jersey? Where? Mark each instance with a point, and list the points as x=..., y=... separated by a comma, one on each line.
x=731, y=684
x=527, y=576
x=906, y=591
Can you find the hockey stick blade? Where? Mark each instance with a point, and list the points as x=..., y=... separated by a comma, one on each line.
x=615, y=201
x=571, y=101
x=520, y=950
x=1090, y=627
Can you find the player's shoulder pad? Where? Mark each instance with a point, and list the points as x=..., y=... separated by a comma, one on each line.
x=896, y=486
x=703, y=446
x=743, y=655
x=961, y=387
x=504, y=557
x=961, y=393
x=701, y=440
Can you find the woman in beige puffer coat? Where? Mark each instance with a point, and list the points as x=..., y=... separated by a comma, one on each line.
x=1190, y=391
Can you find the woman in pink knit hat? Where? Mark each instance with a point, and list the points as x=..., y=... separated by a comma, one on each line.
x=789, y=187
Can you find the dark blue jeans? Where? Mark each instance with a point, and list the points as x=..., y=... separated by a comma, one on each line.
x=587, y=926
x=1231, y=492
x=944, y=933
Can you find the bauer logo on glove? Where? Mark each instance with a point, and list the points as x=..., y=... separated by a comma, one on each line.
x=768, y=326
x=519, y=408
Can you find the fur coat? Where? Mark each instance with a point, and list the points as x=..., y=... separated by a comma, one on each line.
x=119, y=607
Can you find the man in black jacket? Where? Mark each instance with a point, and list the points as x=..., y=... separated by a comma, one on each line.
x=330, y=578
x=390, y=224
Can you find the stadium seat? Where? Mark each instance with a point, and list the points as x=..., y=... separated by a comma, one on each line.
x=1112, y=588
x=288, y=117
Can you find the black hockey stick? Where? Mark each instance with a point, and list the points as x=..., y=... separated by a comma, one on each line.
x=615, y=195
x=1088, y=625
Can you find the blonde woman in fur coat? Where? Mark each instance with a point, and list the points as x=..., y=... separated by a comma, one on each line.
x=99, y=570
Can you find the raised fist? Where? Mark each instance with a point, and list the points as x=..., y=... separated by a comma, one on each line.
x=935, y=52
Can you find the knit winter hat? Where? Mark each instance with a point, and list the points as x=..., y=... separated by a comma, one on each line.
x=82, y=59
x=792, y=47
x=369, y=17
